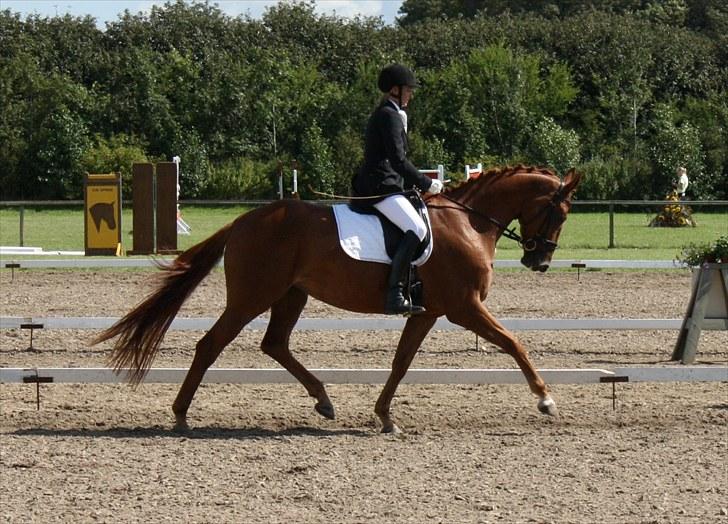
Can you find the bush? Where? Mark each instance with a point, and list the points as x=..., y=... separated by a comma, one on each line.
x=316, y=162
x=427, y=153
x=554, y=146
x=710, y=252
x=672, y=146
x=240, y=178
x=348, y=152
x=61, y=142
x=613, y=178
x=194, y=164
x=115, y=155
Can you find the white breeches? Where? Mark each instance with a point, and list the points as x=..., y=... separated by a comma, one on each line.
x=398, y=209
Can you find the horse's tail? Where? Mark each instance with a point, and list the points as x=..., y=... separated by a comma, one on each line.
x=142, y=330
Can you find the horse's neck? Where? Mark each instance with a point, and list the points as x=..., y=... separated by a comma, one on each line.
x=501, y=198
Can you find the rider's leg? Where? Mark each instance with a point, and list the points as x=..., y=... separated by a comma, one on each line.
x=398, y=209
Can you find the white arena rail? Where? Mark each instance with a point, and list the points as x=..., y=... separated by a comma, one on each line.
x=149, y=262
x=372, y=323
x=372, y=376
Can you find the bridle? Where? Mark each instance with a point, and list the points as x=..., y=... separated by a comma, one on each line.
x=536, y=241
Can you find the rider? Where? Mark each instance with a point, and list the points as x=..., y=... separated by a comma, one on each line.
x=386, y=172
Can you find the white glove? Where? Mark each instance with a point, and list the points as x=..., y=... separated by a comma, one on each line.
x=436, y=187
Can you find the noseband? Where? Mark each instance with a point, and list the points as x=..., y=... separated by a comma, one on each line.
x=529, y=244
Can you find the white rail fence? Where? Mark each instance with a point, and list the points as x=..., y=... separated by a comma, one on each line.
x=672, y=373
x=676, y=373
x=6, y=262
x=372, y=323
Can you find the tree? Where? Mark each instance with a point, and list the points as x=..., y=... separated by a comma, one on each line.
x=554, y=146
x=675, y=145
x=316, y=163
x=487, y=104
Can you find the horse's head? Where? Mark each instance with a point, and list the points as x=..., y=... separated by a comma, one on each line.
x=542, y=219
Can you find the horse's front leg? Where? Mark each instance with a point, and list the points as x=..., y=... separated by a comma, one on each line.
x=415, y=331
x=475, y=317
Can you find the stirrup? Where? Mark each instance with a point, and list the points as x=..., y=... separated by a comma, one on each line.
x=407, y=311
x=402, y=307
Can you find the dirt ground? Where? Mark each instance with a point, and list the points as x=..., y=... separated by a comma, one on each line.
x=107, y=453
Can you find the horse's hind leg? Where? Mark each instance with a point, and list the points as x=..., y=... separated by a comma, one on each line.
x=207, y=350
x=415, y=331
x=283, y=316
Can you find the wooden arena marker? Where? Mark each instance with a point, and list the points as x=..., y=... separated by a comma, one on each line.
x=31, y=326
x=613, y=380
x=37, y=380
x=578, y=266
x=12, y=266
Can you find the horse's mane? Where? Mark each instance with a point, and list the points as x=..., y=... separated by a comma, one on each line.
x=501, y=172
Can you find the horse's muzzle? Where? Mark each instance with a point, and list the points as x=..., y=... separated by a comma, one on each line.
x=536, y=261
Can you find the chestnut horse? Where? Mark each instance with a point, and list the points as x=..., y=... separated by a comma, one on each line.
x=279, y=254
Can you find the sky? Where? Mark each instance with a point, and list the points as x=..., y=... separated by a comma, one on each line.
x=108, y=10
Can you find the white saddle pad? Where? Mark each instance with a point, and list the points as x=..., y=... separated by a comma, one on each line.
x=362, y=238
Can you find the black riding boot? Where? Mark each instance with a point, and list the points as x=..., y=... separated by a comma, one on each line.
x=397, y=303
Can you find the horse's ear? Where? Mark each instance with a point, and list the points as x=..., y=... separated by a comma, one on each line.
x=571, y=180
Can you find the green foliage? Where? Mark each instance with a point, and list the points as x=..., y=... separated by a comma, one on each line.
x=114, y=155
x=696, y=254
x=487, y=104
x=710, y=118
x=641, y=83
x=673, y=146
x=428, y=153
x=240, y=178
x=613, y=178
x=194, y=164
x=555, y=146
x=347, y=152
x=61, y=145
x=317, y=164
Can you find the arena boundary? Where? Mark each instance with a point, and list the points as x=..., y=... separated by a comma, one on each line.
x=440, y=376
x=90, y=263
x=675, y=373
x=372, y=323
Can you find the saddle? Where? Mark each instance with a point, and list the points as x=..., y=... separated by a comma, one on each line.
x=392, y=236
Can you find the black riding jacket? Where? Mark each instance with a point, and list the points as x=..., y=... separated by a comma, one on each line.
x=385, y=169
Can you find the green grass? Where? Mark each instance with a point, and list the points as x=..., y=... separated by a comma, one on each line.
x=62, y=229
x=585, y=235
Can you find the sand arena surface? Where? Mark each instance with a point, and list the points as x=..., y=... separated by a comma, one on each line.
x=106, y=453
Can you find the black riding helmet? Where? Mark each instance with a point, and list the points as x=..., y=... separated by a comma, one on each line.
x=395, y=75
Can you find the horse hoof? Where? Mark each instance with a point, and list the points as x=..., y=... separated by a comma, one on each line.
x=182, y=428
x=325, y=409
x=547, y=406
x=391, y=429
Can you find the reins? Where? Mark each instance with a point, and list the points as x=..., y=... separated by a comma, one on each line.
x=508, y=233
x=529, y=244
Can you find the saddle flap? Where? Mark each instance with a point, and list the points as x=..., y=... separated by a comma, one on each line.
x=365, y=234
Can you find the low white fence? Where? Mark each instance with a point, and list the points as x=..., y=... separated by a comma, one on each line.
x=373, y=376
x=5, y=262
x=372, y=323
